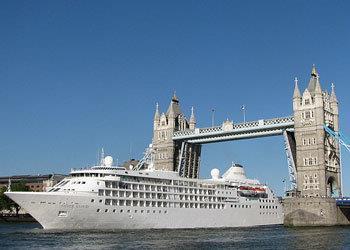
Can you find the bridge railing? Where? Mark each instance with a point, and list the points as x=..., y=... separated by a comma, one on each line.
x=237, y=126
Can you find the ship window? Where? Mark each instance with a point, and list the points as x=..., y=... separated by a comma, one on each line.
x=92, y=200
x=113, y=210
x=128, y=211
x=121, y=210
x=106, y=210
x=62, y=214
x=98, y=210
x=100, y=200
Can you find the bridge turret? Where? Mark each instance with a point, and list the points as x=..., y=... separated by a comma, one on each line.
x=156, y=120
x=334, y=107
x=333, y=98
x=312, y=83
x=192, y=119
x=296, y=95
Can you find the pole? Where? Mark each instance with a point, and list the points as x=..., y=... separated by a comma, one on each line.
x=243, y=111
x=212, y=117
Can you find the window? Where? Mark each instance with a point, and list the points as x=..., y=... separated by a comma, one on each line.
x=307, y=114
x=62, y=214
x=92, y=200
x=98, y=210
x=310, y=161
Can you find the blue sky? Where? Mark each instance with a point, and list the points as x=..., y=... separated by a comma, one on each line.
x=79, y=75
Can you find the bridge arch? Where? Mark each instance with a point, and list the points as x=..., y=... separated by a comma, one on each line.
x=332, y=187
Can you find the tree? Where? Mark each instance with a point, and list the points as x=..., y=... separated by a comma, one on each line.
x=8, y=204
x=5, y=202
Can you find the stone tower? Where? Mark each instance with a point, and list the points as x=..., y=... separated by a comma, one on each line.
x=165, y=151
x=317, y=154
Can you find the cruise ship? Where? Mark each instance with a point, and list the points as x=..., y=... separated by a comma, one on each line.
x=111, y=197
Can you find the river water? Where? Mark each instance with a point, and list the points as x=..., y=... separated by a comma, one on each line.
x=31, y=235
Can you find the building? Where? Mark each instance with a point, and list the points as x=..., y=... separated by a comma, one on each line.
x=35, y=183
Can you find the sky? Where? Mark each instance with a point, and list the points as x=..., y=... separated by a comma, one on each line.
x=76, y=76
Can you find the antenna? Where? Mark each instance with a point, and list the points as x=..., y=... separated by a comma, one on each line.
x=130, y=150
x=102, y=157
x=98, y=157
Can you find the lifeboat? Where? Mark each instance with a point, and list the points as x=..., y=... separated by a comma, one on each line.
x=252, y=191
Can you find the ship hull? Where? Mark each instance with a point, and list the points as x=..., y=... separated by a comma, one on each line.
x=76, y=211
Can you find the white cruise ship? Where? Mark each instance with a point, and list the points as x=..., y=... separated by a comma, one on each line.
x=108, y=197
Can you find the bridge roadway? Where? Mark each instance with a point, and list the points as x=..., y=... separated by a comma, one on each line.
x=230, y=131
x=343, y=202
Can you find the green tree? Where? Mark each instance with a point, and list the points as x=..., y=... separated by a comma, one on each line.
x=5, y=202
x=8, y=204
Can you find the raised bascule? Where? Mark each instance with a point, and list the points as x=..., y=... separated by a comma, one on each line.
x=311, y=137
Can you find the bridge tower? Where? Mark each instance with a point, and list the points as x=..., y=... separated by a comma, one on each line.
x=317, y=153
x=168, y=154
x=317, y=159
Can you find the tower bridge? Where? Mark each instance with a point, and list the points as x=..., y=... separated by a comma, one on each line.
x=313, y=154
x=230, y=131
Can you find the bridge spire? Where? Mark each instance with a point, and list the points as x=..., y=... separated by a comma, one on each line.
x=156, y=119
x=156, y=114
x=192, y=119
x=314, y=83
x=296, y=93
x=314, y=71
x=333, y=96
x=318, y=89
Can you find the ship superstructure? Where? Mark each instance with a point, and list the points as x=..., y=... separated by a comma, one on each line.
x=109, y=197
